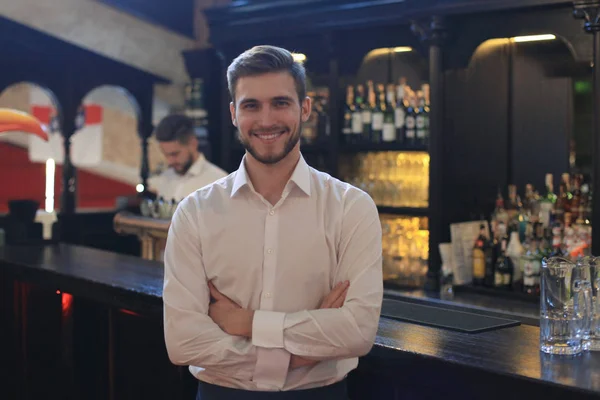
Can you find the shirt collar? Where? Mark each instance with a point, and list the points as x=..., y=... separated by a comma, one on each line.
x=197, y=166
x=300, y=177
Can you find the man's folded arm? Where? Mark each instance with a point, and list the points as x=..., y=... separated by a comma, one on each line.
x=344, y=332
x=191, y=336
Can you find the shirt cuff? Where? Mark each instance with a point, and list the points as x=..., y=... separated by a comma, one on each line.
x=270, y=372
x=267, y=329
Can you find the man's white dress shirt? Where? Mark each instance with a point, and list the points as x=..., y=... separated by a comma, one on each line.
x=280, y=260
x=171, y=185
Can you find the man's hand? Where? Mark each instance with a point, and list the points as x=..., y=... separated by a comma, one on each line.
x=335, y=299
x=230, y=317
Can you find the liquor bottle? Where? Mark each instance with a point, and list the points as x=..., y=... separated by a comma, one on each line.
x=426, y=92
x=360, y=112
x=400, y=110
x=557, y=249
x=499, y=237
x=367, y=113
x=576, y=201
x=531, y=265
x=547, y=203
x=389, y=128
x=482, y=256
x=504, y=268
x=514, y=250
x=422, y=116
x=348, y=115
x=411, y=122
x=512, y=205
x=377, y=113
x=499, y=214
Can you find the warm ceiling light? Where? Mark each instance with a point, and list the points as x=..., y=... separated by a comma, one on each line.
x=403, y=49
x=533, y=38
x=299, y=57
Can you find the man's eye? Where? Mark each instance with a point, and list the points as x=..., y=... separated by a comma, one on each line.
x=249, y=106
x=281, y=103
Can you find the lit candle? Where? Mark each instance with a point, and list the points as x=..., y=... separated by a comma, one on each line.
x=50, y=167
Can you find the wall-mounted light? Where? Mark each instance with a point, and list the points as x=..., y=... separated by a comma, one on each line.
x=533, y=38
x=139, y=188
x=299, y=57
x=402, y=49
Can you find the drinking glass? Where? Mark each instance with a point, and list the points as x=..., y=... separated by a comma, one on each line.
x=589, y=275
x=562, y=307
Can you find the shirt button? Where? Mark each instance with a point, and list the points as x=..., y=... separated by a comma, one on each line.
x=270, y=251
x=271, y=212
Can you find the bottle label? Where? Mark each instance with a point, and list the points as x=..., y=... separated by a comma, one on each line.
x=410, y=122
x=410, y=133
x=478, y=264
x=499, y=279
x=357, y=123
x=366, y=117
x=347, y=130
x=377, y=124
x=420, y=122
x=389, y=132
x=421, y=133
x=506, y=279
x=529, y=281
x=399, y=117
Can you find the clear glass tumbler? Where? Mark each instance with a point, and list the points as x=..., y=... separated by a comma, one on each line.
x=563, y=308
x=588, y=275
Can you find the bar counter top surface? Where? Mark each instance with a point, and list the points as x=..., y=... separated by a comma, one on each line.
x=134, y=283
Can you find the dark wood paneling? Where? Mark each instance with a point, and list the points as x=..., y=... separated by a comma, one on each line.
x=476, y=134
x=541, y=119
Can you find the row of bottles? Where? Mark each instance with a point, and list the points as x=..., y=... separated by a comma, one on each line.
x=405, y=242
x=391, y=178
x=524, y=233
x=386, y=114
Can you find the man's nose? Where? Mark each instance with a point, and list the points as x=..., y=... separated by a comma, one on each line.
x=267, y=117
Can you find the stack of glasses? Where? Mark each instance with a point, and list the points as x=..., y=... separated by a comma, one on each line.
x=570, y=305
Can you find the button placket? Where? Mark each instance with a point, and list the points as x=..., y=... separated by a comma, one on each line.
x=270, y=260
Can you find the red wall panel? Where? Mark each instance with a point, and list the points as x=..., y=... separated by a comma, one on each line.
x=22, y=179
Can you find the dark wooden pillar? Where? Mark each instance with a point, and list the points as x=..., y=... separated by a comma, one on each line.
x=334, y=105
x=145, y=164
x=433, y=33
x=68, y=196
x=589, y=11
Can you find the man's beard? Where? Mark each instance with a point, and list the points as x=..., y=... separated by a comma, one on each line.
x=186, y=167
x=273, y=158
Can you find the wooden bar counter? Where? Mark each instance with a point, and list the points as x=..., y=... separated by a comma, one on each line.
x=85, y=323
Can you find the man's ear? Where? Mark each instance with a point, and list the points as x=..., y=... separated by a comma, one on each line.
x=306, y=108
x=232, y=111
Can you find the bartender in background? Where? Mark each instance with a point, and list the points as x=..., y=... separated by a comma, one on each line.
x=188, y=169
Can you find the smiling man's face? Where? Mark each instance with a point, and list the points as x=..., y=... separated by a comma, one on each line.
x=269, y=115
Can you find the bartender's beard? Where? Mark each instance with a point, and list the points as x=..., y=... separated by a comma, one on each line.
x=182, y=169
x=273, y=158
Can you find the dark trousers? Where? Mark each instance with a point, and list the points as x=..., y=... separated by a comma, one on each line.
x=337, y=391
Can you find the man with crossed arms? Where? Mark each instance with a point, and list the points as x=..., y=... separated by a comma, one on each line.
x=273, y=274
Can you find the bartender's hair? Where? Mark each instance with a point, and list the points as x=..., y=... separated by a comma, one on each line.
x=175, y=127
x=262, y=60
